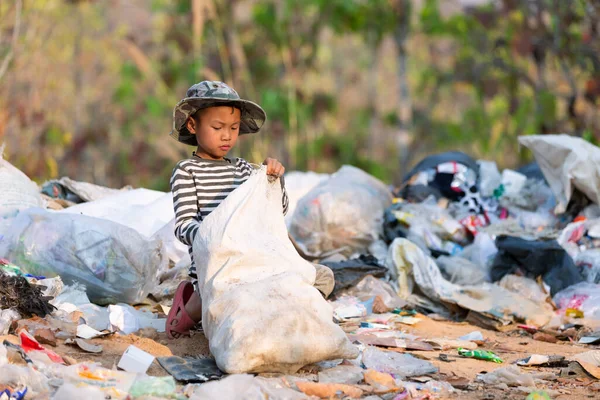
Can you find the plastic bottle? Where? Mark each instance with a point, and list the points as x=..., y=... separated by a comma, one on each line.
x=480, y=355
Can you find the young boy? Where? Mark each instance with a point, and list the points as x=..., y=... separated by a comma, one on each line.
x=211, y=117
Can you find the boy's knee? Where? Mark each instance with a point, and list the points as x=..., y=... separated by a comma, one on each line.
x=325, y=281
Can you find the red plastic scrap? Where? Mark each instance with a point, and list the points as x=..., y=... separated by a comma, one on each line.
x=28, y=343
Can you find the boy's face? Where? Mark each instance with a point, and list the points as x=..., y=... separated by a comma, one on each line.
x=216, y=130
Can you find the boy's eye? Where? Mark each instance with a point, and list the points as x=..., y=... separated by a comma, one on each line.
x=234, y=128
x=217, y=128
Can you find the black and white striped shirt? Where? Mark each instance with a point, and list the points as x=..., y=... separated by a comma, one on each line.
x=199, y=186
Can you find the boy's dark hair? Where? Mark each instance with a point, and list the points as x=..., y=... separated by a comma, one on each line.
x=196, y=116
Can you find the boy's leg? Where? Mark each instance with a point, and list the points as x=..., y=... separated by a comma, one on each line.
x=194, y=306
x=324, y=281
x=186, y=311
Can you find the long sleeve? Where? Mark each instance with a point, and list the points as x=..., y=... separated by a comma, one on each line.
x=284, y=200
x=185, y=204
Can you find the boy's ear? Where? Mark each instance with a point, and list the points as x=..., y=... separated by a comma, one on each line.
x=191, y=125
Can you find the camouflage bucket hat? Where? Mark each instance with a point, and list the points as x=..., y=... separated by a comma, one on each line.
x=210, y=94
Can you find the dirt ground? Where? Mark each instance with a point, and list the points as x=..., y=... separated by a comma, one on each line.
x=509, y=346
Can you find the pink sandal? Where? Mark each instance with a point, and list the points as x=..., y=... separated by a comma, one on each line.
x=179, y=322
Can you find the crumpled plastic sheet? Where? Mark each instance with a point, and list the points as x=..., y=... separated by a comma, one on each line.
x=415, y=268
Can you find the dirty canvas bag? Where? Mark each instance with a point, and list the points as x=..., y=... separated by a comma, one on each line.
x=260, y=311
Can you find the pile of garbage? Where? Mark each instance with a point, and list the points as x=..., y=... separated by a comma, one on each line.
x=484, y=255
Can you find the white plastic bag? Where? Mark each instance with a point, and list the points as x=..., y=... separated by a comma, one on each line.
x=343, y=213
x=260, y=311
x=18, y=191
x=297, y=185
x=489, y=177
x=568, y=163
x=113, y=262
x=583, y=296
x=149, y=212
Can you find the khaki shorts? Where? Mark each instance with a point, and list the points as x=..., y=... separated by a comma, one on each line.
x=324, y=281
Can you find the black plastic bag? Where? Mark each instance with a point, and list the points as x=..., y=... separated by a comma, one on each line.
x=442, y=182
x=349, y=273
x=535, y=258
x=392, y=228
x=437, y=159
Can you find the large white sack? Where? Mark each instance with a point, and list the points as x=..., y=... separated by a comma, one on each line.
x=17, y=191
x=567, y=163
x=297, y=185
x=113, y=262
x=342, y=214
x=149, y=212
x=260, y=311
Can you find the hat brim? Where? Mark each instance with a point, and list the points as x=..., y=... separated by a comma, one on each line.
x=253, y=116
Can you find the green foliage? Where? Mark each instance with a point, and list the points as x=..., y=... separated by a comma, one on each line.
x=476, y=80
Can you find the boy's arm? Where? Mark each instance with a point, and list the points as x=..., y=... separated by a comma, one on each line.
x=185, y=204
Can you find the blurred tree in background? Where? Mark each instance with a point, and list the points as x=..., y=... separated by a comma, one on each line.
x=87, y=87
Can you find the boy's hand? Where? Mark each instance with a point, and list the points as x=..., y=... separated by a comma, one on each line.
x=274, y=167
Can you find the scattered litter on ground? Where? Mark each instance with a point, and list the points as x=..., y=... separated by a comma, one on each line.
x=480, y=355
x=190, y=369
x=135, y=360
x=465, y=278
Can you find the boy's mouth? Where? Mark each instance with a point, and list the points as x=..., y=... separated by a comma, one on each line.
x=225, y=148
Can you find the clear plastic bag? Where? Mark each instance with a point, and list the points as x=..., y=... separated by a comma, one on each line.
x=588, y=263
x=371, y=287
x=343, y=213
x=113, y=262
x=583, y=296
x=526, y=287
